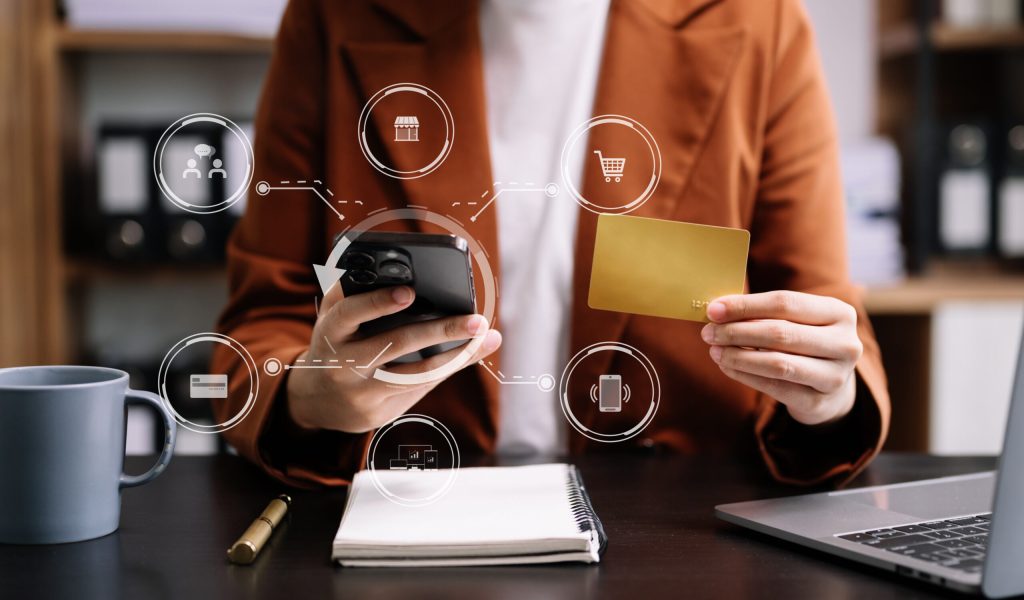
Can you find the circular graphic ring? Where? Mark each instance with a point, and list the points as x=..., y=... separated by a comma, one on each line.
x=169, y=133
x=453, y=447
x=250, y=364
x=449, y=130
x=652, y=146
x=648, y=366
x=476, y=251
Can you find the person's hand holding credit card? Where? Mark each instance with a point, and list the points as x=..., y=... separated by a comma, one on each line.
x=797, y=348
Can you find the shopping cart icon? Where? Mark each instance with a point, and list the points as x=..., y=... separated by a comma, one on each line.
x=611, y=167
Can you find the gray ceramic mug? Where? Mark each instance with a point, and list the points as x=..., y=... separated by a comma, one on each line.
x=62, y=435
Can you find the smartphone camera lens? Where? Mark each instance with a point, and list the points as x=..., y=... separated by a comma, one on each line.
x=362, y=277
x=358, y=260
x=392, y=269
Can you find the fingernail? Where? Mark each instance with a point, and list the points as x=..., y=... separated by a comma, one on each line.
x=716, y=353
x=401, y=295
x=708, y=333
x=492, y=341
x=716, y=311
x=476, y=325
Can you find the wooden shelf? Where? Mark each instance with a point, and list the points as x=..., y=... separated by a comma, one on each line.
x=896, y=41
x=903, y=39
x=956, y=38
x=945, y=283
x=96, y=40
x=84, y=270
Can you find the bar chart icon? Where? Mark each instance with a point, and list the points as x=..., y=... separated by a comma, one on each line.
x=415, y=457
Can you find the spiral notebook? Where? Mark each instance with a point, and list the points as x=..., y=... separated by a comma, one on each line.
x=490, y=516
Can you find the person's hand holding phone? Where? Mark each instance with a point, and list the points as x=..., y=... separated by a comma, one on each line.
x=350, y=399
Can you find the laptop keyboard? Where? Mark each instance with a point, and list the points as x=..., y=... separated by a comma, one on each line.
x=955, y=543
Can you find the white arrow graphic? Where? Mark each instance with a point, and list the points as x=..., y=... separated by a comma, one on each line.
x=328, y=274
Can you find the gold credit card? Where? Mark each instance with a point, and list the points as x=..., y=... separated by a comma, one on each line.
x=665, y=268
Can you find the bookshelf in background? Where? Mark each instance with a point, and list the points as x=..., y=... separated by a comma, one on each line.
x=46, y=177
x=73, y=40
x=950, y=96
x=123, y=83
x=41, y=116
x=941, y=65
x=79, y=54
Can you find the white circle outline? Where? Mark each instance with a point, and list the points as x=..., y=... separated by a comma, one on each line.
x=158, y=157
x=563, y=392
x=250, y=365
x=351, y=234
x=652, y=146
x=272, y=363
x=546, y=382
x=453, y=447
x=449, y=130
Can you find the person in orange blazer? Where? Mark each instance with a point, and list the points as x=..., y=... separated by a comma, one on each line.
x=789, y=375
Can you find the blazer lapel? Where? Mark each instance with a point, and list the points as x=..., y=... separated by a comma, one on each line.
x=670, y=78
x=444, y=55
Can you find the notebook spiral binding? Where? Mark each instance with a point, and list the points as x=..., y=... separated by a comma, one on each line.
x=582, y=510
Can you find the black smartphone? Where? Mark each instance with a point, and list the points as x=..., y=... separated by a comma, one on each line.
x=436, y=266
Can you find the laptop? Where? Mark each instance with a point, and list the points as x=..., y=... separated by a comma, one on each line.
x=964, y=532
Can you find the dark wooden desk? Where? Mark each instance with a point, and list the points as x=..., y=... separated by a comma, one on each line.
x=664, y=542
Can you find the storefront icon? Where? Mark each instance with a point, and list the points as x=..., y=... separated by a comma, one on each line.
x=407, y=129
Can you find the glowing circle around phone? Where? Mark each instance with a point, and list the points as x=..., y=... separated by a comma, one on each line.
x=476, y=251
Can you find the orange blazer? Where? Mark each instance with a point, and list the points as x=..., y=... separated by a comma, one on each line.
x=734, y=95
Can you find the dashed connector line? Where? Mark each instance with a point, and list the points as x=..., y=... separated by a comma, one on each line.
x=550, y=190
x=263, y=188
x=544, y=383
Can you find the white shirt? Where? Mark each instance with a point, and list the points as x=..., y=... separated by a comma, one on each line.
x=541, y=62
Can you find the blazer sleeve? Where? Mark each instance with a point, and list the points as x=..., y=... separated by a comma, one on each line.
x=798, y=243
x=271, y=309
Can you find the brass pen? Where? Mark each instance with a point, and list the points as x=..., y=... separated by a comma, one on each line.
x=245, y=550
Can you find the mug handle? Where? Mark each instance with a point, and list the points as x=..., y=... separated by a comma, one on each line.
x=170, y=432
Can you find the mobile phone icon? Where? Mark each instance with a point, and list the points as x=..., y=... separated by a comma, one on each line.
x=609, y=393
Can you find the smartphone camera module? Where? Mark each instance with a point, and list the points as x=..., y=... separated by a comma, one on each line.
x=371, y=267
x=395, y=271
x=362, y=277
x=357, y=260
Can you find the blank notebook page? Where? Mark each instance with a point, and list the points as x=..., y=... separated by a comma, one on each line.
x=485, y=505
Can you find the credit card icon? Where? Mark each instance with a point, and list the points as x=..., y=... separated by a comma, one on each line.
x=209, y=386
